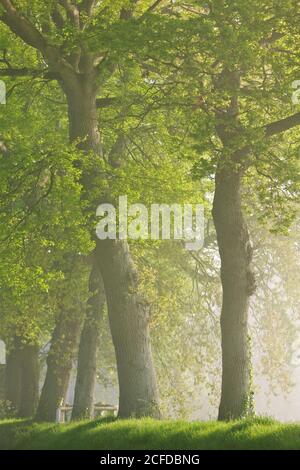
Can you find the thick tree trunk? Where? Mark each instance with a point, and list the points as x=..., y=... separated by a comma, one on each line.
x=129, y=323
x=83, y=116
x=88, y=349
x=128, y=312
x=29, y=380
x=64, y=344
x=238, y=285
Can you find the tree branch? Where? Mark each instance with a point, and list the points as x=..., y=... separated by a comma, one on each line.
x=127, y=13
x=274, y=128
x=57, y=18
x=282, y=125
x=30, y=210
x=25, y=72
x=150, y=9
x=275, y=36
x=22, y=27
x=72, y=12
x=87, y=6
x=105, y=102
x=153, y=6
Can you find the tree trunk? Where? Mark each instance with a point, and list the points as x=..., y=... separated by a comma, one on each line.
x=87, y=357
x=13, y=370
x=238, y=285
x=129, y=324
x=22, y=377
x=60, y=359
x=128, y=312
x=29, y=380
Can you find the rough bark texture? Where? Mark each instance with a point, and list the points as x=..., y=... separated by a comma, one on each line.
x=128, y=312
x=129, y=324
x=238, y=285
x=60, y=359
x=88, y=349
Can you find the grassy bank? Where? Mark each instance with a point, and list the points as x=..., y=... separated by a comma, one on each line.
x=148, y=434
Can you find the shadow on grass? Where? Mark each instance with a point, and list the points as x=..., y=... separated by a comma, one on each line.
x=147, y=434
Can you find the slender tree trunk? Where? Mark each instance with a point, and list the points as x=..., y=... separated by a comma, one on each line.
x=13, y=370
x=29, y=380
x=88, y=349
x=128, y=312
x=64, y=344
x=22, y=377
x=238, y=285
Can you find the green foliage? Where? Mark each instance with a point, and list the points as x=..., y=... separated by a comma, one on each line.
x=41, y=222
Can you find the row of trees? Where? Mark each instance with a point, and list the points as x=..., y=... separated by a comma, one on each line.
x=163, y=101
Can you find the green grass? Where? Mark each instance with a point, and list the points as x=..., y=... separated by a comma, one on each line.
x=258, y=433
